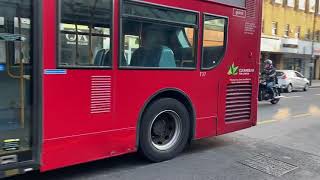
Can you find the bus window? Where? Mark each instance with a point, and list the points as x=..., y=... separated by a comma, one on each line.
x=22, y=48
x=158, y=43
x=236, y=3
x=85, y=33
x=214, y=41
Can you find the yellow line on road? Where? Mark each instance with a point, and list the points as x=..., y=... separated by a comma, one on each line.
x=301, y=115
x=267, y=121
x=273, y=120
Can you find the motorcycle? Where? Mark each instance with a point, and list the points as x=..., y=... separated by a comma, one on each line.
x=266, y=95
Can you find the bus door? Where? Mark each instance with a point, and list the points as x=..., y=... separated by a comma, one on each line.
x=15, y=81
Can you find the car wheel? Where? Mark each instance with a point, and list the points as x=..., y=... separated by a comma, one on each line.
x=164, y=130
x=306, y=87
x=289, y=88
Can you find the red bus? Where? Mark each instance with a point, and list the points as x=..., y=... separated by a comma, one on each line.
x=83, y=80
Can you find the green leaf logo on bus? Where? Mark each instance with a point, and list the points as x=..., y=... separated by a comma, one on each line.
x=233, y=70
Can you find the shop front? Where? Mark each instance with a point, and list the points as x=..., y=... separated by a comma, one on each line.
x=292, y=54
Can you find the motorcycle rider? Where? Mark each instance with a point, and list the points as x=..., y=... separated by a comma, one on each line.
x=271, y=76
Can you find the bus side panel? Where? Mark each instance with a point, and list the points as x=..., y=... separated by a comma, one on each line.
x=89, y=147
x=243, y=53
x=132, y=96
x=206, y=127
x=135, y=87
x=79, y=138
x=72, y=134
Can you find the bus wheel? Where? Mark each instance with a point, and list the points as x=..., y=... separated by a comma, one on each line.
x=164, y=130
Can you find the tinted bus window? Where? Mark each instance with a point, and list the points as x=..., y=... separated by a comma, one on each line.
x=160, y=13
x=85, y=33
x=237, y=3
x=214, y=41
x=155, y=41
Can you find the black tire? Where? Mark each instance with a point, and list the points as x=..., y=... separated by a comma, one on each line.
x=306, y=87
x=147, y=145
x=289, y=88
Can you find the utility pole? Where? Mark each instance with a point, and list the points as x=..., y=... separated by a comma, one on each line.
x=313, y=41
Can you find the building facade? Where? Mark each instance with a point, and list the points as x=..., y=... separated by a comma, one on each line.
x=291, y=35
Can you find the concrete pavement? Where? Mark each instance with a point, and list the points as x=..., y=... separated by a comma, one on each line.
x=315, y=84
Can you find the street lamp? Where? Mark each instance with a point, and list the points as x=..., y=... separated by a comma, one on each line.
x=313, y=58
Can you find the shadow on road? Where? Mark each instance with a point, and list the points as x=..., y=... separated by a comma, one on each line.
x=266, y=104
x=121, y=163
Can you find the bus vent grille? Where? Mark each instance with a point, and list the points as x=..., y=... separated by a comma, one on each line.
x=238, y=102
x=251, y=8
x=100, y=94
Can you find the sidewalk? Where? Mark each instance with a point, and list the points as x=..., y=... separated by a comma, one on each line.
x=315, y=84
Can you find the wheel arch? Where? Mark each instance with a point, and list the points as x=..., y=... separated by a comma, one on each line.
x=173, y=93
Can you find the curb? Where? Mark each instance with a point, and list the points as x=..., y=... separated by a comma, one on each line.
x=314, y=86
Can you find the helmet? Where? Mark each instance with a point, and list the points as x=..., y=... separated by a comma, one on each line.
x=268, y=61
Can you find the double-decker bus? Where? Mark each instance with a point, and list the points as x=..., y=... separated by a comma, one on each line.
x=83, y=80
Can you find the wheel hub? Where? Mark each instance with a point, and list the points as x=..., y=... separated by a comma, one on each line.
x=165, y=130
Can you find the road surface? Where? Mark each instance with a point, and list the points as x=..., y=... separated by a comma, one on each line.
x=285, y=145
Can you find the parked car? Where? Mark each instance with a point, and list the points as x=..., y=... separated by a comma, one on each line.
x=290, y=80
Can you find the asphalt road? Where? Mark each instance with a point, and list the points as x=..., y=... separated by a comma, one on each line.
x=285, y=145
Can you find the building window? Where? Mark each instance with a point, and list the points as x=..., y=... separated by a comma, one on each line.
x=312, y=6
x=274, y=30
x=294, y=64
x=308, y=35
x=287, y=30
x=158, y=37
x=214, y=41
x=85, y=33
x=290, y=3
x=278, y=1
x=302, y=4
x=298, y=32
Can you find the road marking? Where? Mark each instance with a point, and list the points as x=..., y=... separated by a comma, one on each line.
x=283, y=113
x=278, y=120
x=267, y=121
x=301, y=115
x=314, y=110
x=317, y=94
x=290, y=97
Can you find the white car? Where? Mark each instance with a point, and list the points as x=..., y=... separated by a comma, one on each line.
x=290, y=80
